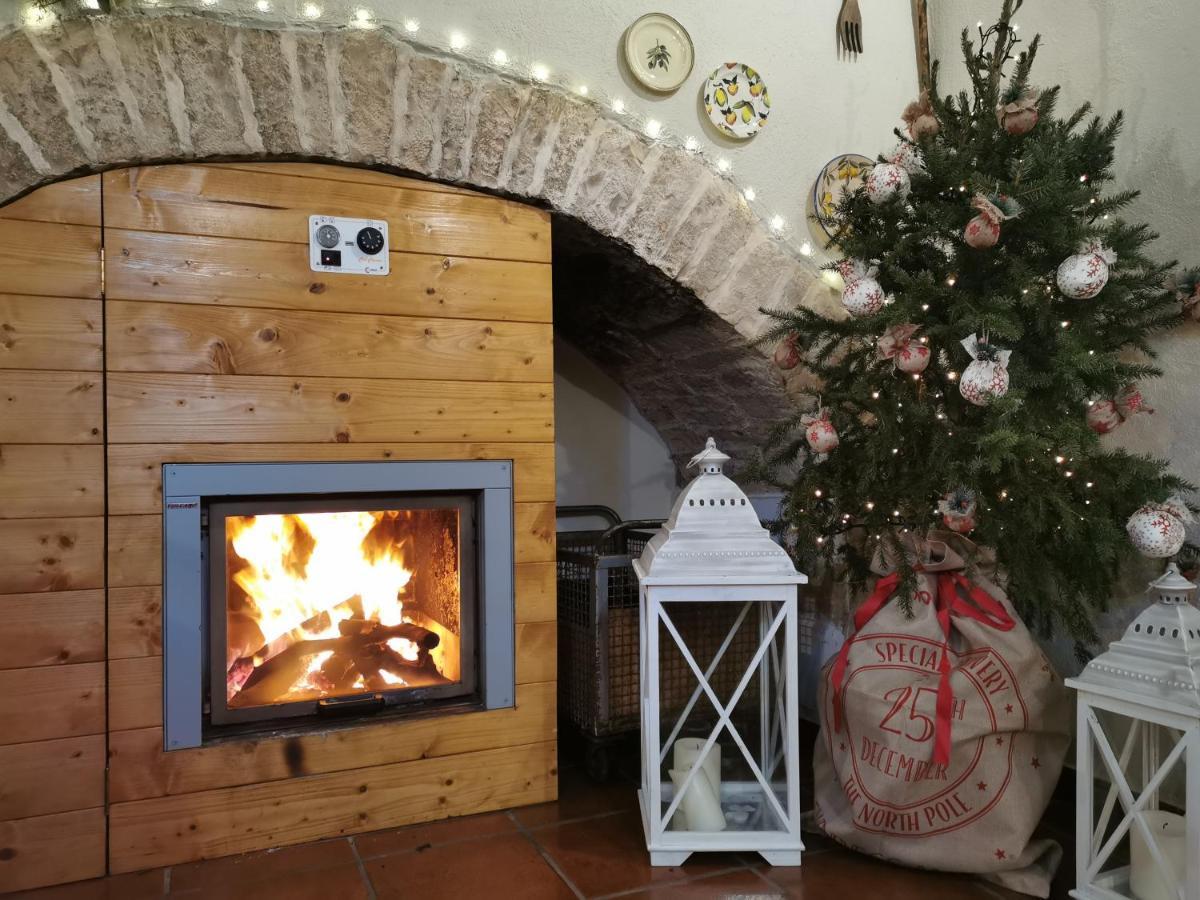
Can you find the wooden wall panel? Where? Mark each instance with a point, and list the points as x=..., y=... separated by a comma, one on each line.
x=43, y=850
x=216, y=823
x=134, y=622
x=52, y=681
x=188, y=268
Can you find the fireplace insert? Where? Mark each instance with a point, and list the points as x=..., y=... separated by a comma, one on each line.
x=308, y=591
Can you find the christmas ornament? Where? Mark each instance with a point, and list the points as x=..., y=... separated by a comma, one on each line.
x=1083, y=275
x=1157, y=529
x=986, y=378
x=787, y=354
x=1104, y=416
x=1018, y=115
x=984, y=230
x=890, y=179
x=862, y=295
x=819, y=431
x=920, y=119
x=958, y=510
x=1186, y=286
x=897, y=345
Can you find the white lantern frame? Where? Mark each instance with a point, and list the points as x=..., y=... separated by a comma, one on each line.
x=720, y=554
x=1150, y=678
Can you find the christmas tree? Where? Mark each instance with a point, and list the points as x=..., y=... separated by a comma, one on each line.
x=983, y=352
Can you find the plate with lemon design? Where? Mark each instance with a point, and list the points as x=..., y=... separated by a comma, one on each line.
x=840, y=176
x=737, y=101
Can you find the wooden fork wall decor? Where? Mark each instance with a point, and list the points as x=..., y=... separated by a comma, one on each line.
x=849, y=29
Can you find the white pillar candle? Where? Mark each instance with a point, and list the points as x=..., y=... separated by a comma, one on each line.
x=701, y=804
x=687, y=750
x=1145, y=879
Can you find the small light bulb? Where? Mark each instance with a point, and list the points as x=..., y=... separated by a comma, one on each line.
x=458, y=40
x=916, y=376
x=817, y=492
x=924, y=308
x=874, y=395
x=895, y=450
x=653, y=129
x=539, y=72
x=263, y=5
x=1003, y=495
x=749, y=194
x=1093, y=200
x=1089, y=484
x=1065, y=324
x=582, y=90
x=979, y=24
x=1016, y=27
x=778, y=223
x=961, y=188
x=412, y=26
x=940, y=416
x=312, y=11
x=895, y=512
x=1068, y=473
x=1060, y=459
x=820, y=540
x=806, y=249
x=1024, y=290
x=618, y=105
x=691, y=145
x=499, y=57
x=723, y=164
x=952, y=375
x=870, y=505
x=1082, y=178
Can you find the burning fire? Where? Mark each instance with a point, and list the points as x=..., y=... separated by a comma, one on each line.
x=336, y=579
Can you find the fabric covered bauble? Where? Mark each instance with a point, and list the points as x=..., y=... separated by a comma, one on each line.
x=984, y=230
x=787, y=354
x=1186, y=286
x=822, y=437
x=891, y=179
x=862, y=295
x=1104, y=416
x=986, y=378
x=1083, y=275
x=1019, y=115
x=958, y=510
x=897, y=344
x=1157, y=529
x=920, y=119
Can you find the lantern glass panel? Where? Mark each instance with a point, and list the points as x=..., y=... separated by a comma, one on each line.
x=721, y=672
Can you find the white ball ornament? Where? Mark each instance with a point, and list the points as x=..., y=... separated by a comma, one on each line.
x=887, y=181
x=1157, y=530
x=862, y=295
x=913, y=359
x=1083, y=275
x=986, y=377
x=898, y=345
x=822, y=437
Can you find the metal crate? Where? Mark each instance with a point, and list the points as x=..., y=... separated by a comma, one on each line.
x=598, y=634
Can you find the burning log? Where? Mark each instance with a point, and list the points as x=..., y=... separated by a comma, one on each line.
x=375, y=632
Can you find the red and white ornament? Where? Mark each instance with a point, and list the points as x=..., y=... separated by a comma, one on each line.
x=986, y=378
x=1083, y=275
x=891, y=179
x=897, y=344
x=1157, y=530
x=787, y=354
x=1104, y=416
x=862, y=295
x=958, y=510
x=822, y=437
x=1186, y=286
x=984, y=229
x=1018, y=116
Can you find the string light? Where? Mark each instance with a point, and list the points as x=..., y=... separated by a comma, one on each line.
x=582, y=90
x=263, y=5
x=1060, y=459
x=1089, y=484
x=691, y=145
x=874, y=395
x=458, y=40
x=37, y=17
x=895, y=450
x=1068, y=473
x=1083, y=178
x=724, y=165
x=870, y=505
x=806, y=249
x=817, y=492
x=653, y=129
x=952, y=280
x=500, y=57
x=820, y=540
x=749, y=194
x=924, y=307
x=916, y=376
x=618, y=105
x=539, y=72
x=312, y=11
x=778, y=223
x=412, y=26
x=952, y=376
x=1065, y=324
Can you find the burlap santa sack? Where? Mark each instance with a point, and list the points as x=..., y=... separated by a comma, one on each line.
x=942, y=735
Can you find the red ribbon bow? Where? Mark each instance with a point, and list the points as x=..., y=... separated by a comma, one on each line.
x=956, y=596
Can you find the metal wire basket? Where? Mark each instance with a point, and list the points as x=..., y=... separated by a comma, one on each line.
x=598, y=634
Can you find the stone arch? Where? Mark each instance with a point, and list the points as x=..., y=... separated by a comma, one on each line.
x=99, y=92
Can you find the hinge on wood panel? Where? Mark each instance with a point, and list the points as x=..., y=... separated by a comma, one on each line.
x=102, y=273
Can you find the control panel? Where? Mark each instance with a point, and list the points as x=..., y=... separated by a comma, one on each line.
x=358, y=246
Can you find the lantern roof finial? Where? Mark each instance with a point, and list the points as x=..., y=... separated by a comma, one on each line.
x=710, y=459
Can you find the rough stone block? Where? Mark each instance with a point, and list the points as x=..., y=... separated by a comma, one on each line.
x=668, y=190
x=537, y=128
x=575, y=125
x=605, y=188
x=270, y=90
x=428, y=79
x=500, y=102
x=28, y=92
x=705, y=271
x=133, y=44
x=304, y=55
x=199, y=49
x=460, y=109
x=755, y=280
x=16, y=173
x=367, y=67
x=718, y=202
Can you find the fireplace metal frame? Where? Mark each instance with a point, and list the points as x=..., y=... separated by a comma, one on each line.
x=188, y=488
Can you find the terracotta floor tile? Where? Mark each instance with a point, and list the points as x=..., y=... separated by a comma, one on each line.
x=608, y=854
x=421, y=837
x=496, y=868
x=343, y=882
x=844, y=873
x=133, y=886
x=742, y=884
x=579, y=797
x=255, y=868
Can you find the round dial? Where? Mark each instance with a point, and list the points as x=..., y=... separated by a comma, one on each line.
x=370, y=240
x=328, y=236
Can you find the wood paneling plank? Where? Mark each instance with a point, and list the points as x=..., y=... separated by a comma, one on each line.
x=51, y=554
x=50, y=333
x=45, y=850
x=536, y=589
x=50, y=260
x=51, y=629
x=134, y=551
x=535, y=531
x=51, y=702
x=168, y=830
x=182, y=268
x=226, y=202
x=135, y=470
x=51, y=480
x=139, y=768
x=160, y=337
x=134, y=622
x=269, y=409
x=50, y=407
x=135, y=693
x=72, y=202
x=537, y=652
x=51, y=776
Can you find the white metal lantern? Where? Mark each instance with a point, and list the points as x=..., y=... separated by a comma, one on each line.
x=720, y=747
x=1139, y=714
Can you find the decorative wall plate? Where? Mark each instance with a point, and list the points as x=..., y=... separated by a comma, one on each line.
x=658, y=51
x=840, y=176
x=736, y=100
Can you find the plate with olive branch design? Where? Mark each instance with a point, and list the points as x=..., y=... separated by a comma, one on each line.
x=658, y=51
